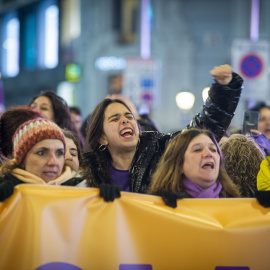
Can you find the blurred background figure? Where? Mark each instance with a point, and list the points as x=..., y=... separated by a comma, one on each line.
x=74, y=159
x=115, y=84
x=145, y=120
x=52, y=107
x=264, y=118
x=76, y=117
x=55, y=108
x=85, y=125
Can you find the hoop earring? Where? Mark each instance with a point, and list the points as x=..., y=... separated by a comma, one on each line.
x=102, y=147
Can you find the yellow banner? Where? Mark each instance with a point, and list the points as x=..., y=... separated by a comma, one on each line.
x=73, y=228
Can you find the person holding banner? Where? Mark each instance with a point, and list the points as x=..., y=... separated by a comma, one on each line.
x=39, y=157
x=119, y=154
x=192, y=167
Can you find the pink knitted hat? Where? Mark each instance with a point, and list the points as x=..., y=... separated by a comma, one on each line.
x=32, y=132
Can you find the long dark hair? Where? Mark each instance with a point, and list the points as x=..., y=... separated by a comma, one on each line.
x=60, y=108
x=61, y=111
x=94, y=133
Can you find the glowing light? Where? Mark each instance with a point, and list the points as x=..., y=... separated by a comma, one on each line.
x=205, y=93
x=67, y=90
x=73, y=72
x=255, y=20
x=185, y=100
x=110, y=63
x=51, y=37
x=11, y=45
x=146, y=29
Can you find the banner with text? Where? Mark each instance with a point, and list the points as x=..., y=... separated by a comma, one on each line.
x=73, y=228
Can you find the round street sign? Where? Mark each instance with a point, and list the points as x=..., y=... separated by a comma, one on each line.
x=251, y=65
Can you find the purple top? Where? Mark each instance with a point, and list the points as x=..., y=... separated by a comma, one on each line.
x=262, y=141
x=120, y=177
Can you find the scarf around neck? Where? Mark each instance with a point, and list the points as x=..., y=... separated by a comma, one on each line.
x=262, y=141
x=196, y=191
x=30, y=178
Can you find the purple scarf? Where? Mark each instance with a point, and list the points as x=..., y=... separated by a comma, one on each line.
x=196, y=191
x=262, y=141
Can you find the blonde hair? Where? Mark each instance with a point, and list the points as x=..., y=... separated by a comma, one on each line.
x=243, y=157
x=169, y=173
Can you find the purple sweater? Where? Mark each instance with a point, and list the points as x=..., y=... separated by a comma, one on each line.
x=120, y=177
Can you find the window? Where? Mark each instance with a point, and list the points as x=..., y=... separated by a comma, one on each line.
x=29, y=38
x=30, y=35
x=10, y=45
x=48, y=34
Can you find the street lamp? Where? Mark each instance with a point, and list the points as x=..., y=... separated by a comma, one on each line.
x=185, y=100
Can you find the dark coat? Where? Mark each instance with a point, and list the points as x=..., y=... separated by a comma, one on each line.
x=216, y=115
x=16, y=181
x=8, y=183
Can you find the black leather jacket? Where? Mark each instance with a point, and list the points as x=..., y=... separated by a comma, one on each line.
x=216, y=115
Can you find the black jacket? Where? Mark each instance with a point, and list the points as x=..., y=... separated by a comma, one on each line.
x=216, y=115
x=8, y=183
x=16, y=181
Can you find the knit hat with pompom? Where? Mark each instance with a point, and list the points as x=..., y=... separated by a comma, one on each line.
x=30, y=133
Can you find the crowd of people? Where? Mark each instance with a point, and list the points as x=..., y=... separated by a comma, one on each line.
x=117, y=149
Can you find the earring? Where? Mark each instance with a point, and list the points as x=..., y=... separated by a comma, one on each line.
x=102, y=147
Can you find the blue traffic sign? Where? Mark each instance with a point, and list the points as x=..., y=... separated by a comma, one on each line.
x=251, y=65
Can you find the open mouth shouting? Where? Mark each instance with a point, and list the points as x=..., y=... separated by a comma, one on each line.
x=208, y=166
x=127, y=132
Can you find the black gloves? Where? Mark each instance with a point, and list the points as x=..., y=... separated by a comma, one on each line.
x=109, y=192
x=6, y=190
x=263, y=198
x=170, y=198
